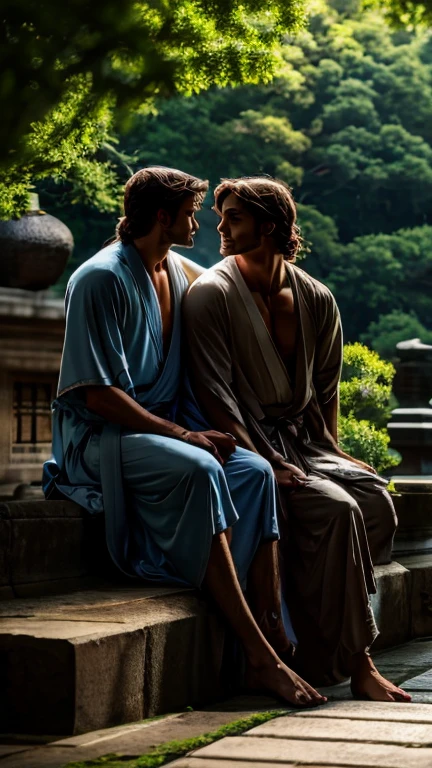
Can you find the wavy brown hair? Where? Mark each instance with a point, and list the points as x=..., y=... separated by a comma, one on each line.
x=267, y=199
x=150, y=190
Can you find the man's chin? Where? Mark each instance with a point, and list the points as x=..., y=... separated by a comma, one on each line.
x=187, y=244
x=226, y=252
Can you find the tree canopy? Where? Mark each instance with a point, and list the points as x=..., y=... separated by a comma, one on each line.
x=346, y=123
x=62, y=74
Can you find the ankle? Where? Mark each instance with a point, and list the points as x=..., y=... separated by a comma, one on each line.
x=261, y=659
x=361, y=664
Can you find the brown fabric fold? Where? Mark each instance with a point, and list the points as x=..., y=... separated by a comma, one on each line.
x=343, y=520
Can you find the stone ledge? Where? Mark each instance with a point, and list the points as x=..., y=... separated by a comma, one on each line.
x=49, y=545
x=94, y=659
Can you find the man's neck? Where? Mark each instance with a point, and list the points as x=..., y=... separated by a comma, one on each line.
x=263, y=271
x=153, y=254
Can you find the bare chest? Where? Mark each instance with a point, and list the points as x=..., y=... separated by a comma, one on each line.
x=162, y=287
x=278, y=313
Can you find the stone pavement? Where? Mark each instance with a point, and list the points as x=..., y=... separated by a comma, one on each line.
x=342, y=733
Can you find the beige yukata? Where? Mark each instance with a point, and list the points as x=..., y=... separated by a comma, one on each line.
x=340, y=523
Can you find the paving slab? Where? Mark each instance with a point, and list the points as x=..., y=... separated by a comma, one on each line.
x=334, y=729
x=371, y=710
x=11, y=749
x=197, y=763
x=131, y=740
x=194, y=762
x=406, y=661
x=307, y=752
x=420, y=683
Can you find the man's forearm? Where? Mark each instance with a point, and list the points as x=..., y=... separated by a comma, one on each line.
x=116, y=406
x=221, y=420
x=330, y=413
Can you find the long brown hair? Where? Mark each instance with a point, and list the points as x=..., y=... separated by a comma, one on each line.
x=151, y=189
x=267, y=199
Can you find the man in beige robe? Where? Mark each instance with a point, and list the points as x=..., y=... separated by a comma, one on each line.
x=265, y=352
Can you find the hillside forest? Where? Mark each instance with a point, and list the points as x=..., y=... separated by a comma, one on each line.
x=346, y=122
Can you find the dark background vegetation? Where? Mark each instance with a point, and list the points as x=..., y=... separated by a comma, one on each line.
x=346, y=121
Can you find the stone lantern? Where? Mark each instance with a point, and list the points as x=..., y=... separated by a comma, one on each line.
x=34, y=249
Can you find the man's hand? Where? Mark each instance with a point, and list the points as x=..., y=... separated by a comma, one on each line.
x=359, y=463
x=221, y=446
x=289, y=476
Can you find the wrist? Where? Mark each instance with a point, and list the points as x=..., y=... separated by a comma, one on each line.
x=183, y=434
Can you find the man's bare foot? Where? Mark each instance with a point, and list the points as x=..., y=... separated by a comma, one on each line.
x=367, y=683
x=276, y=678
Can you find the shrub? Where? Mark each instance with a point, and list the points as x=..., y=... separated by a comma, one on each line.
x=364, y=441
x=365, y=405
x=365, y=389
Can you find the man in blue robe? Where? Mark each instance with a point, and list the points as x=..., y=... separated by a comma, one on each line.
x=170, y=496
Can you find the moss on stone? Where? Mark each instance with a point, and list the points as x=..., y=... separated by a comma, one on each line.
x=173, y=750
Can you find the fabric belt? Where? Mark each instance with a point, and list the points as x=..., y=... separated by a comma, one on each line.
x=117, y=529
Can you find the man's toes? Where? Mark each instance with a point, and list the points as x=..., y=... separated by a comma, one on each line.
x=302, y=698
x=401, y=695
x=315, y=695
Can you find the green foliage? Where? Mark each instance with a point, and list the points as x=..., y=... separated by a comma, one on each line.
x=388, y=330
x=404, y=12
x=63, y=146
x=365, y=397
x=347, y=123
x=377, y=274
x=60, y=71
x=165, y=753
x=364, y=441
x=365, y=387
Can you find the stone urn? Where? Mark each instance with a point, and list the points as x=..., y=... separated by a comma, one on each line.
x=34, y=249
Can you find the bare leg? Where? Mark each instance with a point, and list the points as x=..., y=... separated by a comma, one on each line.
x=367, y=683
x=266, y=671
x=264, y=597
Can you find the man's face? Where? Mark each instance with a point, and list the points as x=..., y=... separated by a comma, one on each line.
x=181, y=231
x=238, y=229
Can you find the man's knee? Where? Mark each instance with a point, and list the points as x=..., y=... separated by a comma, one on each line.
x=257, y=467
x=346, y=507
x=204, y=466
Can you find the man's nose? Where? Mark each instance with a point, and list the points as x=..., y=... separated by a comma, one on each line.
x=196, y=225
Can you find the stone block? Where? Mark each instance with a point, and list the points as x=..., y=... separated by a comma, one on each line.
x=320, y=729
x=109, y=680
x=420, y=568
x=37, y=690
x=88, y=661
x=391, y=604
x=200, y=641
x=371, y=710
x=414, y=512
x=39, y=509
x=46, y=548
x=309, y=752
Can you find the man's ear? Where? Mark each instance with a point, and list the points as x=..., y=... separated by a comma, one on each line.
x=267, y=228
x=163, y=218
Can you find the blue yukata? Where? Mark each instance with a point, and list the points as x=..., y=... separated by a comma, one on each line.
x=163, y=499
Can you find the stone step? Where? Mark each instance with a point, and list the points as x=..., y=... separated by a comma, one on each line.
x=93, y=659
x=48, y=547
x=97, y=658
